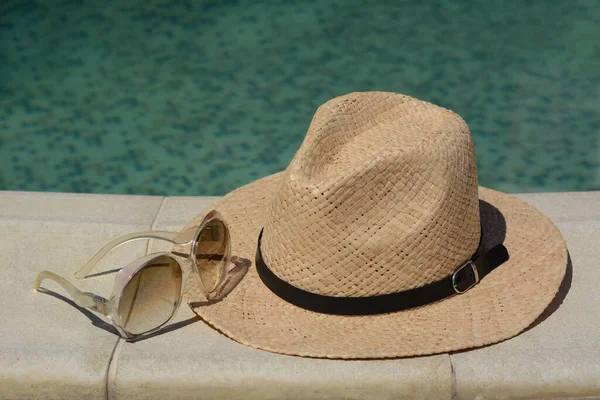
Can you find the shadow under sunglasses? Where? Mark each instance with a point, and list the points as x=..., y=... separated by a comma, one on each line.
x=98, y=322
x=233, y=277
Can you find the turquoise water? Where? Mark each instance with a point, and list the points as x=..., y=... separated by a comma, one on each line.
x=200, y=97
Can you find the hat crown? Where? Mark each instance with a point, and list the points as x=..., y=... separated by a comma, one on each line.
x=381, y=197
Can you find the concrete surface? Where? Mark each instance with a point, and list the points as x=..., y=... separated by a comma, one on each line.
x=50, y=349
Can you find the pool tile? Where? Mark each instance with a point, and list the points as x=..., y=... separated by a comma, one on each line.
x=194, y=360
x=558, y=356
x=48, y=347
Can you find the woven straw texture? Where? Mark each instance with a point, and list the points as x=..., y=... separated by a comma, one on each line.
x=382, y=197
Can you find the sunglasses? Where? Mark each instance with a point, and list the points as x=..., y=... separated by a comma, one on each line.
x=148, y=291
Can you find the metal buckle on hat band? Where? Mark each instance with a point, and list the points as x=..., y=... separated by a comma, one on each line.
x=458, y=277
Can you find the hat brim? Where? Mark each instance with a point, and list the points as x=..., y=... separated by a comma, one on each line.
x=502, y=305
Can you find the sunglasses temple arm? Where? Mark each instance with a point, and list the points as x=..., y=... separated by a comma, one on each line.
x=162, y=235
x=82, y=299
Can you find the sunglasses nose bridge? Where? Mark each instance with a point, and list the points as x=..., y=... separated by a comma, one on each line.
x=183, y=242
x=183, y=249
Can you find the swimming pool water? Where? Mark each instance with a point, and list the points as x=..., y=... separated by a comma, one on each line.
x=200, y=97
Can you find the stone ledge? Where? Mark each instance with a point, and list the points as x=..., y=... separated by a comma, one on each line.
x=48, y=348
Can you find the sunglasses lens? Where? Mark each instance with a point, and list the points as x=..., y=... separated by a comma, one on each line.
x=150, y=297
x=211, y=253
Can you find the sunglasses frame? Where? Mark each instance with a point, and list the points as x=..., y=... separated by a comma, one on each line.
x=187, y=263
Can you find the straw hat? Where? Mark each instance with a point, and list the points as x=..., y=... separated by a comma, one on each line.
x=369, y=235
